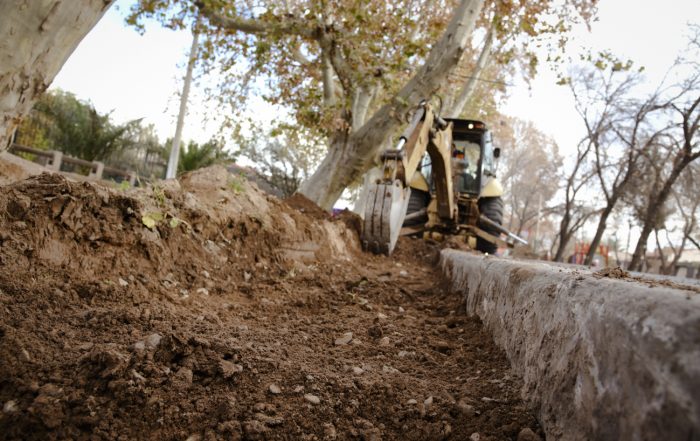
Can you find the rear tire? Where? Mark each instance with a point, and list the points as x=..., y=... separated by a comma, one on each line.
x=492, y=208
x=417, y=201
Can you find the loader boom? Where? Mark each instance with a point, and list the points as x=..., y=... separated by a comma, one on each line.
x=388, y=197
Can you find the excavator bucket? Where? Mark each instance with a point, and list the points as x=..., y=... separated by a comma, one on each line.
x=384, y=214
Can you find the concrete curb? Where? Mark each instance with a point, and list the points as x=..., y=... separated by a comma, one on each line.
x=601, y=358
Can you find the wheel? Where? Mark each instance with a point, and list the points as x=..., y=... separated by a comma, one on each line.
x=492, y=208
x=417, y=201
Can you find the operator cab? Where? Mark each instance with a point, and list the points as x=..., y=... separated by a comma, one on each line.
x=472, y=155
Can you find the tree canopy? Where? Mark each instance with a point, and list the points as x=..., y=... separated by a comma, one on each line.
x=61, y=121
x=335, y=65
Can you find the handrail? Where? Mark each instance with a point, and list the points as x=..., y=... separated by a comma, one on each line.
x=97, y=169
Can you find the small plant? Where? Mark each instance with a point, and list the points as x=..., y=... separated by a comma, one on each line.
x=124, y=185
x=236, y=183
x=159, y=195
x=151, y=219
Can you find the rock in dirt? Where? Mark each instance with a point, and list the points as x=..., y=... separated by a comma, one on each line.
x=10, y=407
x=384, y=341
x=357, y=370
x=329, y=432
x=228, y=369
x=274, y=389
x=528, y=435
x=152, y=341
x=344, y=339
x=375, y=331
x=313, y=399
x=465, y=408
x=389, y=370
x=183, y=377
x=475, y=437
x=255, y=429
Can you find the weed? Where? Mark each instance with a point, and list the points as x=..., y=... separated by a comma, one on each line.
x=235, y=183
x=151, y=219
x=159, y=195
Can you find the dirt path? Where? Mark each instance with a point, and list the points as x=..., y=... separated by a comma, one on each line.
x=198, y=348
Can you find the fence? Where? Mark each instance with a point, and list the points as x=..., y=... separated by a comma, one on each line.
x=54, y=160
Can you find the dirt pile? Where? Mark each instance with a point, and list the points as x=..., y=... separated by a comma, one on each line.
x=206, y=310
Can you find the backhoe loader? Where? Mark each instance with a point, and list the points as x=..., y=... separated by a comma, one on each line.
x=440, y=179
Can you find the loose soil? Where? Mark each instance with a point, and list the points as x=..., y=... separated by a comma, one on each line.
x=234, y=316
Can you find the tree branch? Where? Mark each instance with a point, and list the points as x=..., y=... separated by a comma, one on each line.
x=286, y=26
x=468, y=90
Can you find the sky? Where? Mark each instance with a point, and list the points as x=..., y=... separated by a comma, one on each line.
x=650, y=35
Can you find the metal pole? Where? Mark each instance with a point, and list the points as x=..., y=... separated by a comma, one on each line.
x=175, y=147
x=536, y=242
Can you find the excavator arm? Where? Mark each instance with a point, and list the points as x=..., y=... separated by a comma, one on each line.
x=388, y=196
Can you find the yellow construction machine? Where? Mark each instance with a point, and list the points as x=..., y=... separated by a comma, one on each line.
x=439, y=180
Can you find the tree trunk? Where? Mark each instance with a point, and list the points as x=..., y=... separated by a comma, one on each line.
x=564, y=237
x=325, y=187
x=347, y=159
x=36, y=39
x=650, y=216
x=599, y=232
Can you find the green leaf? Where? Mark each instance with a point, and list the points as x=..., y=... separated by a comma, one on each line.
x=150, y=220
x=174, y=222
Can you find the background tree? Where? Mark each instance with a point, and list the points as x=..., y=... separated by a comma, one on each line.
x=63, y=122
x=676, y=149
x=195, y=156
x=324, y=62
x=619, y=128
x=687, y=199
x=38, y=37
x=60, y=121
x=573, y=210
x=143, y=152
x=283, y=158
x=529, y=171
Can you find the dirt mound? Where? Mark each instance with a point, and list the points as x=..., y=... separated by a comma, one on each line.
x=305, y=205
x=204, y=309
x=612, y=272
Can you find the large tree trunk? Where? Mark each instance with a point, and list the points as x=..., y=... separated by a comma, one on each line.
x=348, y=159
x=36, y=39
